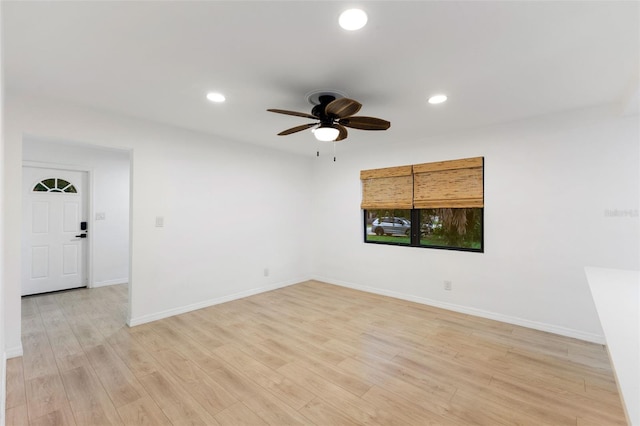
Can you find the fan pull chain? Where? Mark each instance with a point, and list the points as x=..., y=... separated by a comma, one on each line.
x=334, y=152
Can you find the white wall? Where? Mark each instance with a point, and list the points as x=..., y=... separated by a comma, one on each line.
x=3, y=355
x=230, y=210
x=549, y=184
x=109, y=170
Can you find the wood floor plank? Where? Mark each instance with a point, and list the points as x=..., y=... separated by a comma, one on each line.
x=262, y=355
x=343, y=378
x=308, y=354
x=555, y=406
x=177, y=404
x=184, y=414
x=152, y=341
x=133, y=354
x=86, y=333
x=476, y=407
x=17, y=415
x=210, y=395
x=66, y=348
x=38, y=359
x=116, y=378
x=143, y=412
x=323, y=413
x=29, y=307
x=407, y=411
x=88, y=399
x=420, y=368
x=46, y=303
x=433, y=397
x=357, y=346
x=288, y=391
x=340, y=399
x=45, y=395
x=16, y=395
x=240, y=415
x=188, y=347
x=183, y=324
x=267, y=406
x=56, y=321
x=62, y=417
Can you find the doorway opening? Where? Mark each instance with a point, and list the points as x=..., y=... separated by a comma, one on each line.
x=93, y=248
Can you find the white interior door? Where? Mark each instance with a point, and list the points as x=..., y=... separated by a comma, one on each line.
x=54, y=253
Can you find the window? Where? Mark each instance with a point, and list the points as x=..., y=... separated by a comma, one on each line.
x=451, y=228
x=55, y=185
x=436, y=205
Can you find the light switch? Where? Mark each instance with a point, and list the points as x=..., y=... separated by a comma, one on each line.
x=159, y=221
x=101, y=216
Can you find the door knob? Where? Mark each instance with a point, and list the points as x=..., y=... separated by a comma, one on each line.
x=82, y=236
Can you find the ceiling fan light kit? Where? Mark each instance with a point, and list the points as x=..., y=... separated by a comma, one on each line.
x=326, y=133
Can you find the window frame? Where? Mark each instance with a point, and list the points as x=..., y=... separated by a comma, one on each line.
x=414, y=240
x=69, y=188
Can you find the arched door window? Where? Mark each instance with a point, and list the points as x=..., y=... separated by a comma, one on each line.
x=55, y=185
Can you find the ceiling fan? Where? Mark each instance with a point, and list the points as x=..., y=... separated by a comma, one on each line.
x=333, y=114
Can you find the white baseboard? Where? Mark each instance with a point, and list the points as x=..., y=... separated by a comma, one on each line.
x=14, y=352
x=132, y=322
x=110, y=282
x=562, y=331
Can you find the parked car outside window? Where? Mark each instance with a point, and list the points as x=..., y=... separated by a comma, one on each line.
x=391, y=226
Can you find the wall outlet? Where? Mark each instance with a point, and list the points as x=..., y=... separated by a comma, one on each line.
x=447, y=285
x=159, y=221
x=266, y=272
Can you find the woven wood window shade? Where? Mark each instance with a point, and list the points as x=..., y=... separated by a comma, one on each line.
x=389, y=188
x=449, y=184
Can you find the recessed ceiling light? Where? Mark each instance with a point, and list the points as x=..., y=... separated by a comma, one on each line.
x=216, y=97
x=353, y=19
x=437, y=99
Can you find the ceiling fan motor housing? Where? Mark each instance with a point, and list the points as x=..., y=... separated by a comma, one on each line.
x=320, y=109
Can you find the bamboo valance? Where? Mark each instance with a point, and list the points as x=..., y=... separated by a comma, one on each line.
x=444, y=184
x=449, y=184
x=388, y=188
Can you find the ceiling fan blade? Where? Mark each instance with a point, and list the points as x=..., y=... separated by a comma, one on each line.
x=343, y=133
x=365, y=123
x=297, y=129
x=297, y=114
x=343, y=107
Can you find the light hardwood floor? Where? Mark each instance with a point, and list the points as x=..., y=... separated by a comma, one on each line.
x=310, y=354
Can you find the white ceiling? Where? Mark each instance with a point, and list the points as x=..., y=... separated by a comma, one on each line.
x=497, y=61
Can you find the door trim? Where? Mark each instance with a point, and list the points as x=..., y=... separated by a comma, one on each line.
x=89, y=171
